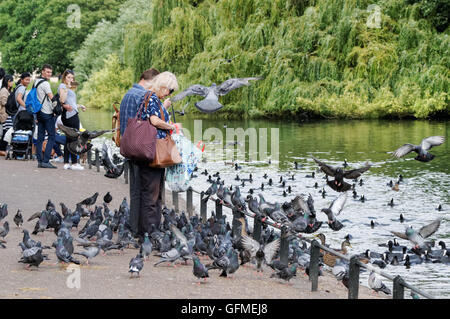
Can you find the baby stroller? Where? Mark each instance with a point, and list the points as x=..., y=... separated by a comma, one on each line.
x=22, y=137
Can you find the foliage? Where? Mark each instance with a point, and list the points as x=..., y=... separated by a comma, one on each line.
x=36, y=32
x=106, y=86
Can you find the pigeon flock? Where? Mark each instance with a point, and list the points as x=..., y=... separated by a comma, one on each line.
x=213, y=244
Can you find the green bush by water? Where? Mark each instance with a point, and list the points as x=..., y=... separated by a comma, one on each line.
x=331, y=59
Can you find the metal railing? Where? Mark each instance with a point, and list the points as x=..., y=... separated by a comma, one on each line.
x=399, y=284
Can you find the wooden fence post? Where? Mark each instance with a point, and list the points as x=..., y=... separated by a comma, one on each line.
x=126, y=170
x=175, y=201
x=399, y=289
x=284, y=246
x=314, y=265
x=97, y=159
x=219, y=209
x=189, y=202
x=89, y=158
x=257, y=228
x=203, y=207
x=353, y=278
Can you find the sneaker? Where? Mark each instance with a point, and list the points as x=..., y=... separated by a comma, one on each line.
x=39, y=164
x=47, y=165
x=57, y=160
x=67, y=166
x=77, y=167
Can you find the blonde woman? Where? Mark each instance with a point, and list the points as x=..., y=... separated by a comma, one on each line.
x=69, y=116
x=152, y=179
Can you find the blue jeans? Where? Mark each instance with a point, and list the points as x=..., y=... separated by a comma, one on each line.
x=46, y=123
x=59, y=140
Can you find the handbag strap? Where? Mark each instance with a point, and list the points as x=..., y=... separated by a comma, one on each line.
x=163, y=117
x=145, y=103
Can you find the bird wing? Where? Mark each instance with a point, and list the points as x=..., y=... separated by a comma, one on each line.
x=430, y=229
x=429, y=142
x=94, y=134
x=179, y=235
x=338, y=204
x=250, y=244
x=271, y=249
x=404, y=149
x=232, y=84
x=299, y=204
x=69, y=131
x=196, y=89
x=35, y=215
x=327, y=169
x=355, y=173
x=400, y=235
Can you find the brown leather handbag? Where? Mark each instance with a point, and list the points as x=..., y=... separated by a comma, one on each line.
x=139, y=140
x=166, y=150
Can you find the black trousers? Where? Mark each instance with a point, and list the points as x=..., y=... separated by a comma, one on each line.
x=146, y=187
x=74, y=122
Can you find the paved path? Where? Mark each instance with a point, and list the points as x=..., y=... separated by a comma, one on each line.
x=24, y=186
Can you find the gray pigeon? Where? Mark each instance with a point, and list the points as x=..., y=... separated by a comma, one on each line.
x=4, y=230
x=136, y=265
x=199, y=270
x=3, y=211
x=63, y=255
x=146, y=247
x=211, y=103
x=170, y=256
x=286, y=273
x=418, y=237
x=89, y=252
x=31, y=256
x=335, y=209
x=422, y=149
x=262, y=253
x=18, y=218
x=376, y=284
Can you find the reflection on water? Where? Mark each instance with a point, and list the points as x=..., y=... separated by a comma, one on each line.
x=425, y=186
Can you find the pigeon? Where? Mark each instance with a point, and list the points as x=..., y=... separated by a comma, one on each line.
x=262, y=253
x=210, y=191
x=334, y=210
x=338, y=184
x=90, y=200
x=199, y=270
x=107, y=198
x=146, y=247
x=286, y=273
x=376, y=284
x=63, y=254
x=81, y=144
x=18, y=218
x=112, y=170
x=418, y=237
x=3, y=211
x=89, y=252
x=170, y=256
x=136, y=265
x=4, y=230
x=422, y=149
x=41, y=224
x=31, y=256
x=211, y=102
x=27, y=241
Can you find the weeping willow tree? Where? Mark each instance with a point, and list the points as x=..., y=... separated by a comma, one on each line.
x=346, y=59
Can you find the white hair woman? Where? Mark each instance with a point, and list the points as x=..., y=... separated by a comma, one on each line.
x=152, y=179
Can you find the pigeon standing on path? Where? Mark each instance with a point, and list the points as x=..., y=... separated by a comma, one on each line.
x=210, y=103
x=199, y=270
x=136, y=265
x=3, y=211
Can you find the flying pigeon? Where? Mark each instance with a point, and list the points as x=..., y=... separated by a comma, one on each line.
x=422, y=149
x=418, y=237
x=81, y=145
x=211, y=102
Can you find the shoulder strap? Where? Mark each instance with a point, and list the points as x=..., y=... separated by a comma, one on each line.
x=36, y=86
x=145, y=103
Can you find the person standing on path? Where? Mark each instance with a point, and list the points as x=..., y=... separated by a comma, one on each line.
x=152, y=179
x=128, y=109
x=45, y=118
x=21, y=90
x=5, y=91
x=69, y=116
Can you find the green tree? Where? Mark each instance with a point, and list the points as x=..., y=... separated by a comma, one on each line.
x=36, y=32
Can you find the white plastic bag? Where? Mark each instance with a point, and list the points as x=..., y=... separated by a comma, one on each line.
x=179, y=176
x=8, y=135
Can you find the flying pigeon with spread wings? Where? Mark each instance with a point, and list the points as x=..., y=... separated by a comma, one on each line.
x=210, y=103
x=81, y=145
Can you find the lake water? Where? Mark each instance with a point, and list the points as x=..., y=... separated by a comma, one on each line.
x=425, y=185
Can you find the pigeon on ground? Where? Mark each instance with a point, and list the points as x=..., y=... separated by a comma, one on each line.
x=199, y=270
x=89, y=252
x=376, y=284
x=107, y=198
x=136, y=265
x=90, y=200
x=3, y=211
x=338, y=184
x=31, y=256
x=63, y=254
x=146, y=247
x=422, y=149
x=286, y=273
x=334, y=210
x=211, y=102
x=4, y=230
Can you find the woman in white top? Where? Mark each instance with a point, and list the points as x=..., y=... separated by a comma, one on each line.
x=69, y=116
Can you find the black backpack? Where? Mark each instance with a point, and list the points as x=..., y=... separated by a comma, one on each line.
x=57, y=106
x=11, y=104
